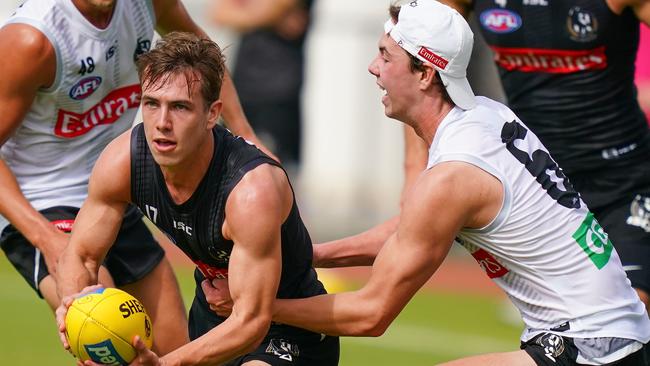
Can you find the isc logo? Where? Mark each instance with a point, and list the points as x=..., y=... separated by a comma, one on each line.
x=104, y=353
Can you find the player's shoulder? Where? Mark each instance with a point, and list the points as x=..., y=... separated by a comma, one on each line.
x=117, y=152
x=26, y=39
x=263, y=188
x=264, y=178
x=112, y=171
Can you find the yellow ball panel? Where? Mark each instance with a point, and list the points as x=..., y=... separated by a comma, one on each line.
x=74, y=322
x=101, y=345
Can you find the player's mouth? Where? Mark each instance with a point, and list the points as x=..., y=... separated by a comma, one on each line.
x=163, y=145
x=384, y=98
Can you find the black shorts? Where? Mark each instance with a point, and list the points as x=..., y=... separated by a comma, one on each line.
x=283, y=345
x=134, y=255
x=620, y=200
x=548, y=349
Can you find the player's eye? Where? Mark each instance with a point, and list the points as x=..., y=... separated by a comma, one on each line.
x=150, y=103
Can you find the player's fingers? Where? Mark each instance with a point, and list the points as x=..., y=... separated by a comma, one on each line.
x=139, y=345
x=61, y=311
x=64, y=340
x=221, y=285
x=206, y=286
x=209, y=292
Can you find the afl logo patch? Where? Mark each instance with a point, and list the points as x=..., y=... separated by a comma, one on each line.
x=85, y=87
x=500, y=20
x=582, y=25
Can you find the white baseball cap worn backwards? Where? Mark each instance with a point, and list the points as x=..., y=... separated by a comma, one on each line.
x=439, y=35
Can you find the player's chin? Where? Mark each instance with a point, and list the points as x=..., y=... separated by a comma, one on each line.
x=166, y=158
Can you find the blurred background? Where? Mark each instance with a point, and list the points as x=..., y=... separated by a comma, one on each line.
x=345, y=160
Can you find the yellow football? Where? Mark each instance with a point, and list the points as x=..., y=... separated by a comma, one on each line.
x=100, y=326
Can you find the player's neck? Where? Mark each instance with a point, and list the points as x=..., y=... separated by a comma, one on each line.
x=99, y=16
x=183, y=180
x=425, y=120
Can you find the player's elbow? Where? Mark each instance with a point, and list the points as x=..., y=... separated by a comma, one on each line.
x=374, y=325
x=253, y=328
x=372, y=319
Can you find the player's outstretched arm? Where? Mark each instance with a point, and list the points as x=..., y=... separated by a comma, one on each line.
x=445, y=199
x=97, y=223
x=254, y=269
x=356, y=250
x=171, y=15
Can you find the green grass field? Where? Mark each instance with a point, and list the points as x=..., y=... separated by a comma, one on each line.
x=434, y=327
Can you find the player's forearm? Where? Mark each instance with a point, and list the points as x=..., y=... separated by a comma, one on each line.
x=20, y=213
x=357, y=250
x=237, y=335
x=76, y=273
x=342, y=314
x=244, y=16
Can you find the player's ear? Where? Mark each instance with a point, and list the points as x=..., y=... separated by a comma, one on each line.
x=214, y=111
x=427, y=76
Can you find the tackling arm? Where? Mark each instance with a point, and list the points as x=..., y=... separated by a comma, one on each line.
x=445, y=199
x=357, y=250
x=253, y=271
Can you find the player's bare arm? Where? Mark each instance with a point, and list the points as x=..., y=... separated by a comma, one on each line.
x=461, y=195
x=171, y=15
x=245, y=16
x=31, y=66
x=97, y=223
x=255, y=211
x=356, y=250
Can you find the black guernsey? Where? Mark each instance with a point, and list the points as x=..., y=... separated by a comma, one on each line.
x=195, y=226
x=567, y=68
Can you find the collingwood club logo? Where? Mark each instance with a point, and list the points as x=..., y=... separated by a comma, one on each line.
x=582, y=25
x=640, y=213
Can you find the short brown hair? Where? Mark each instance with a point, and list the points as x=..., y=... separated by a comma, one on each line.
x=182, y=52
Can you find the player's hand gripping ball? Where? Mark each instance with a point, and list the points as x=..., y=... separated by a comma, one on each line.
x=100, y=326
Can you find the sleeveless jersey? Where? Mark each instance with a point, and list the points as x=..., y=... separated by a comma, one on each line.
x=94, y=98
x=544, y=248
x=195, y=226
x=567, y=68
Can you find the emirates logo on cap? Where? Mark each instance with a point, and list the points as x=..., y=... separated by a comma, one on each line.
x=433, y=58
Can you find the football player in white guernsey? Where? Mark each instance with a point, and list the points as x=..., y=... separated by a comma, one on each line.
x=492, y=186
x=69, y=87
